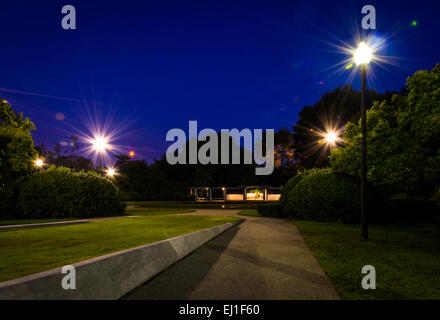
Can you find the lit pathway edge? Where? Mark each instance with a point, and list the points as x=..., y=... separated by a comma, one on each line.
x=45, y=224
x=113, y=275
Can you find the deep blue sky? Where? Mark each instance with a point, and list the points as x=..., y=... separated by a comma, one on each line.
x=227, y=64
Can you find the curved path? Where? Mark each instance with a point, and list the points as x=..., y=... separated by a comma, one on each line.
x=260, y=258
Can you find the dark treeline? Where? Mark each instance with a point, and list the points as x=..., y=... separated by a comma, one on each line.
x=163, y=181
x=67, y=157
x=294, y=151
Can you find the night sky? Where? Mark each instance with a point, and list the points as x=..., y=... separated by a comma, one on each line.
x=150, y=66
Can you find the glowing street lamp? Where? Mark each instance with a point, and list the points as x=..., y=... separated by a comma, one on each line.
x=362, y=57
x=39, y=163
x=331, y=137
x=111, y=172
x=100, y=144
x=363, y=54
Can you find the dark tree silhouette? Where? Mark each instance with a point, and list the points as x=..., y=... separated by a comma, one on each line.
x=332, y=111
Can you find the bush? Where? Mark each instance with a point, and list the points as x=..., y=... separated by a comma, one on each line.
x=17, y=153
x=59, y=192
x=321, y=195
x=437, y=197
x=8, y=203
x=411, y=211
x=285, y=190
x=273, y=210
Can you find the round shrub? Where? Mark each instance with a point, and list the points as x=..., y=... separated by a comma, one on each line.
x=321, y=195
x=59, y=192
x=437, y=197
x=286, y=205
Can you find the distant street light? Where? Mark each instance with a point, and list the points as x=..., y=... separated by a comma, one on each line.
x=39, y=163
x=111, y=172
x=362, y=57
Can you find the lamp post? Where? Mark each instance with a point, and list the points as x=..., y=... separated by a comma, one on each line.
x=362, y=56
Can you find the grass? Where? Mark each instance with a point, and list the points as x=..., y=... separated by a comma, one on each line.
x=137, y=211
x=252, y=213
x=142, y=211
x=406, y=259
x=29, y=251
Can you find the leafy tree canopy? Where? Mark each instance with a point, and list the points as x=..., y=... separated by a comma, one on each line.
x=331, y=112
x=10, y=118
x=403, y=139
x=17, y=150
x=17, y=153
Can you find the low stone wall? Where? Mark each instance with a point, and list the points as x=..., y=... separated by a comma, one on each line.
x=44, y=224
x=110, y=276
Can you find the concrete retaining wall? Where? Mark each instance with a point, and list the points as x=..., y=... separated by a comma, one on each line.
x=113, y=275
x=45, y=224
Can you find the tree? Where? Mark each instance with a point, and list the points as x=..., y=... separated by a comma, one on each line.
x=403, y=139
x=69, y=159
x=134, y=179
x=285, y=153
x=17, y=153
x=74, y=162
x=331, y=112
x=162, y=181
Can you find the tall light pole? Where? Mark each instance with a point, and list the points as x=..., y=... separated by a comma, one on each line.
x=362, y=56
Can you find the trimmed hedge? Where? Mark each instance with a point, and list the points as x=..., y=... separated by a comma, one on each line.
x=59, y=192
x=409, y=211
x=321, y=195
x=273, y=210
x=285, y=190
x=8, y=203
x=437, y=197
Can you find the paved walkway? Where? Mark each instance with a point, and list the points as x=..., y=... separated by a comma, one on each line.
x=261, y=258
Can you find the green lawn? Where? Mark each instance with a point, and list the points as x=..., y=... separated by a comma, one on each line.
x=252, y=213
x=155, y=211
x=28, y=251
x=137, y=211
x=406, y=259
